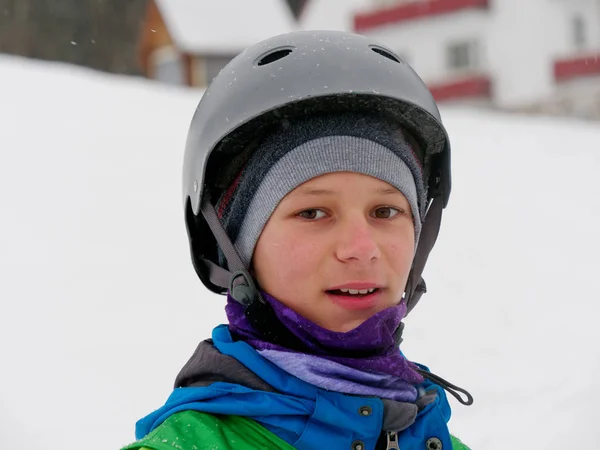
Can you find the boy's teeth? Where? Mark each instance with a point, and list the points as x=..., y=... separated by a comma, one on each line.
x=357, y=291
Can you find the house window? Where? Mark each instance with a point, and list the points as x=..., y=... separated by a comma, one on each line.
x=168, y=66
x=579, y=32
x=463, y=55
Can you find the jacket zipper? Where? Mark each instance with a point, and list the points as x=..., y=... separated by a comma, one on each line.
x=392, y=440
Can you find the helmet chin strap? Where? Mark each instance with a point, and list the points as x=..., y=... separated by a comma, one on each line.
x=238, y=282
x=415, y=286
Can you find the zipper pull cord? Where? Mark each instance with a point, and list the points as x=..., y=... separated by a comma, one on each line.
x=451, y=388
x=392, y=440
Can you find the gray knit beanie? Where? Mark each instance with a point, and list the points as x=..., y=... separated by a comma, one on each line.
x=313, y=146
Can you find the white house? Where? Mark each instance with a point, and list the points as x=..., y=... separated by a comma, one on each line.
x=537, y=55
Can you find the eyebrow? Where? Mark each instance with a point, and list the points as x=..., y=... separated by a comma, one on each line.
x=321, y=192
x=388, y=191
x=314, y=191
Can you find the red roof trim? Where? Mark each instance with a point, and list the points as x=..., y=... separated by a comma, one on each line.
x=479, y=86
x=411, y=11
x=580, y=66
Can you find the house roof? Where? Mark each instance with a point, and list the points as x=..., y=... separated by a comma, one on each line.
x=224, y=26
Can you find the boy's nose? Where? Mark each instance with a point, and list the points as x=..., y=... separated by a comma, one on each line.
x=356, y=242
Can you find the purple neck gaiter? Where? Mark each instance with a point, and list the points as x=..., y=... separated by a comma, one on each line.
x=374, y=340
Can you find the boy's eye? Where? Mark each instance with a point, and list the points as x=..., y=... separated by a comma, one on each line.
x=386, y=212
x=311, y=214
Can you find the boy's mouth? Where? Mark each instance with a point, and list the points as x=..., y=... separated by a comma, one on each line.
x=354, y=299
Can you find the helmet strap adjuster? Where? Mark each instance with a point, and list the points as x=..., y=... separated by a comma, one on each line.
x=242, y=288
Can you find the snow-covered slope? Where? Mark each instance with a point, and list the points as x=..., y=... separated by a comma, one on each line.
x=100, y=305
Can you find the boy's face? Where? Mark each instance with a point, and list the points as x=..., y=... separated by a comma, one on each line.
x=337, y=231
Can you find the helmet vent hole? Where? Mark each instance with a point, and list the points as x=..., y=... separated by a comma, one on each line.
x=387, y=54
x=274, y=56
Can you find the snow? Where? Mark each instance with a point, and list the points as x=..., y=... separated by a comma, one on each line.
x=101, y=306
x=224, y=26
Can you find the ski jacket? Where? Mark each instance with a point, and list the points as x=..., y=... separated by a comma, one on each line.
x=229, y=397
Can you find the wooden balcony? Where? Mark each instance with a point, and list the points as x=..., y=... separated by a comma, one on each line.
x=465, y=88
x=576, y=67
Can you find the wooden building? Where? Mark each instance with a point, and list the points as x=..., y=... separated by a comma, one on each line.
x=187, y=42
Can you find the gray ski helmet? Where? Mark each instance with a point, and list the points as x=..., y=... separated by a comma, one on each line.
x=300, y=73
